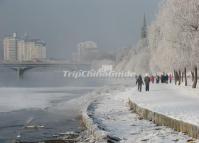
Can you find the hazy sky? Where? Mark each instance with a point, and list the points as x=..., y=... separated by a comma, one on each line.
x=112, y=24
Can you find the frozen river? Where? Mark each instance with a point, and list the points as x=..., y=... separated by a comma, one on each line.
x=45, y=107
x=44, y=99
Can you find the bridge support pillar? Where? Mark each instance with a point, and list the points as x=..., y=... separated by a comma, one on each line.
x=20, y=72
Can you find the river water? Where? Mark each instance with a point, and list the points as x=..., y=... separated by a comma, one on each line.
x=43, y=100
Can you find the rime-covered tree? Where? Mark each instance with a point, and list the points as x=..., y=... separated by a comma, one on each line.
x=173, y=37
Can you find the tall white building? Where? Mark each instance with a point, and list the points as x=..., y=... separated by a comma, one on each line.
x=29, y=45
x=23, y=50
x=29, y=50
x=10, y=48
x=39, y=51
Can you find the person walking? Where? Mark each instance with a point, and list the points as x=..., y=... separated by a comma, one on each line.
x=170, y=78
x=139, y=82
x=147, y=82
x=157, y=79
x=152, y=78
x=167, y=78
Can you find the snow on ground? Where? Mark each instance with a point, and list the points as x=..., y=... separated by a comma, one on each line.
x=112, y=114
x=178, y=102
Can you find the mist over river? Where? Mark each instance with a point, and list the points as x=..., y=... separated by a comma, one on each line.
x=43, y=98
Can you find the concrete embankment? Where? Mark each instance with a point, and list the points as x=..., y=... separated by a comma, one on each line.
x=92, y=128
x=162, y=120
x=87, y=121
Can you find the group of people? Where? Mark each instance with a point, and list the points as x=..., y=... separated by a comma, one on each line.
x=140, y=82
x=164, y=78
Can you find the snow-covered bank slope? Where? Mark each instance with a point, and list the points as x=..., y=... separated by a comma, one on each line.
x=111, y=113
x=94, y=132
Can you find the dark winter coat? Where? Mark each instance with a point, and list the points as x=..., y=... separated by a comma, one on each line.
x=147, y=80
x=139, y=81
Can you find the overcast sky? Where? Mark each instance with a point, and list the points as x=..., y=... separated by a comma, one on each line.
x=112, y=24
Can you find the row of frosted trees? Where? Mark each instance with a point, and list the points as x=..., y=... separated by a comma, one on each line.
x=173, y=39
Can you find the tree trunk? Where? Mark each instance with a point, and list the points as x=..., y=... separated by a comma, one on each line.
x=185, y=76
x=182, y=76
x=179, y=74
x=192, y=75
x=195, y=77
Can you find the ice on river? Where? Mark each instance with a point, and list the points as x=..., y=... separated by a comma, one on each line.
x=12, y=99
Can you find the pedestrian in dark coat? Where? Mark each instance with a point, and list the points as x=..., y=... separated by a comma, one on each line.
x=157, y=79
x=161, y=78
x=139, y=82
x=166, y=78
x=147, y=82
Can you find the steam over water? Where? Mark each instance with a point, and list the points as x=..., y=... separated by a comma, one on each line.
x=43, y=98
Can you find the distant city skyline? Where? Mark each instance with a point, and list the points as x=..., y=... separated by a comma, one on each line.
x=63, y=24
x=17, y=49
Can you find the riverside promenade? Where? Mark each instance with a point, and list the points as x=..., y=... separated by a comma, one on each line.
x=167, y=113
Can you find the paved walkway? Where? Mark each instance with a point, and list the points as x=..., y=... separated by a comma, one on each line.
x=179, y=102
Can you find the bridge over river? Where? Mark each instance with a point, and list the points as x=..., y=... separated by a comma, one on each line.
x=21, y=68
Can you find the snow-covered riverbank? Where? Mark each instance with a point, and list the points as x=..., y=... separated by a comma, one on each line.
x=110, y=113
